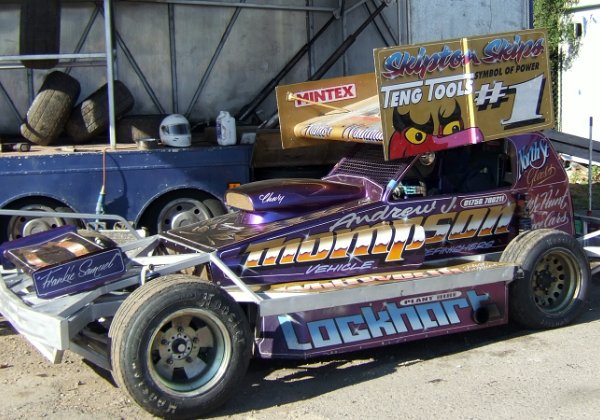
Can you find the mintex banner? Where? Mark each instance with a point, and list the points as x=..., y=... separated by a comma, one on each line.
x=343, y=108
x=447, y=94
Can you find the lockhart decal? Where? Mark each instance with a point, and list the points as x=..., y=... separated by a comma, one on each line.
x=407, y=317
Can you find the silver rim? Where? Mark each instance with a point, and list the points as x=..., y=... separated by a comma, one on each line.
x=556, y=281
x=20, y=226
x=181, y=212
x=189, y=352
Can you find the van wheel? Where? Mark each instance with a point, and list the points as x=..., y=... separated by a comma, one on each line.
x=90, y=117
x=50, y=108
x=180, y=346
x=19, y=226
x=556, y=276
x=182, y=209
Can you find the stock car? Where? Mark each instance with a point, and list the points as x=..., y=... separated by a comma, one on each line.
x=375, y=253
x=452, y=228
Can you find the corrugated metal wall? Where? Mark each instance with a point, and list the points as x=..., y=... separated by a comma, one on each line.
x=200, y=57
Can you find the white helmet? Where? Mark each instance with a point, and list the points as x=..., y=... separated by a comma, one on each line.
x=175, y=131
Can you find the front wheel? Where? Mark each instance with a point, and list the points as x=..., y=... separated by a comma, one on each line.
x=556, y=276
x=180, y=346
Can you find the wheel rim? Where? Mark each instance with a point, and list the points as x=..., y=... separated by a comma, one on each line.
x=189, y=352
x=181, y=212
x=20, y=226
x=556, y=281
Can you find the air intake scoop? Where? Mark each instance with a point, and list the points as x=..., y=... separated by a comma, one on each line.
x=272, y=195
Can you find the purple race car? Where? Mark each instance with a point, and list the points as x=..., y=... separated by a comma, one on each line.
x=374, y=253
x=465, y=234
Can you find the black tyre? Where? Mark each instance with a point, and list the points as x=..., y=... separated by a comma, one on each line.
x=40, y=31
x=180, y=346
x=181, y=209
x=555, y=286
x=138, y=127
x=50, y=109
x=19, y=226
x=90, y=117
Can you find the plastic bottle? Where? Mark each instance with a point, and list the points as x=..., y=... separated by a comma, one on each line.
x=226, y=135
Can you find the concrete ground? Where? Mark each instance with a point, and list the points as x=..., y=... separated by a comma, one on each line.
x=500, y=373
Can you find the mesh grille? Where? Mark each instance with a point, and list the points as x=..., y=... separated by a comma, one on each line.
x=369, y=165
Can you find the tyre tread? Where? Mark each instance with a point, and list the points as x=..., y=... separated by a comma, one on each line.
x=90, y=117
x=50, y=109
x=125, y=317
x=518, y=251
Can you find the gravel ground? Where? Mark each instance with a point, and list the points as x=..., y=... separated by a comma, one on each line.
x=504, y=373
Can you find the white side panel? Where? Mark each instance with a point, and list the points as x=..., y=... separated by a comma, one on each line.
x=580, y=88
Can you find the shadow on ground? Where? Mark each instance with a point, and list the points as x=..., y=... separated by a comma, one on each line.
x=271, y=383
x=264, y=387
x=5, y=327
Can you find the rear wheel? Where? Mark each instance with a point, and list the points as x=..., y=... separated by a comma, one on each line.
x=556, y=276
x=180, y=346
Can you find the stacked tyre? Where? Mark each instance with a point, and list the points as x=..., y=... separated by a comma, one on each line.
x=90, y=117
x=51, y=108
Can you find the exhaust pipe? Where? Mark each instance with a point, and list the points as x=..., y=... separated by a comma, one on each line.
x=486, y=313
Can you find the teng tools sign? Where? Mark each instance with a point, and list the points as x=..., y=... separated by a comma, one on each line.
x=458, y=92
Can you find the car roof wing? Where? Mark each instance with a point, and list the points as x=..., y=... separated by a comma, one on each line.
x=428, y=97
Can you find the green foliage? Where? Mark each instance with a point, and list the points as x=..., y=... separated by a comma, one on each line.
x=552, y=15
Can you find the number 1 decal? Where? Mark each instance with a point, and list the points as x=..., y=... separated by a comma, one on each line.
x=527, y=103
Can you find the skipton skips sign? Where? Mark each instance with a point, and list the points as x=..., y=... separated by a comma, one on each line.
x=464, y=91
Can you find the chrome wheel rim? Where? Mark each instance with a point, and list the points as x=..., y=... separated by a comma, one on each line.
x=189, y=352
